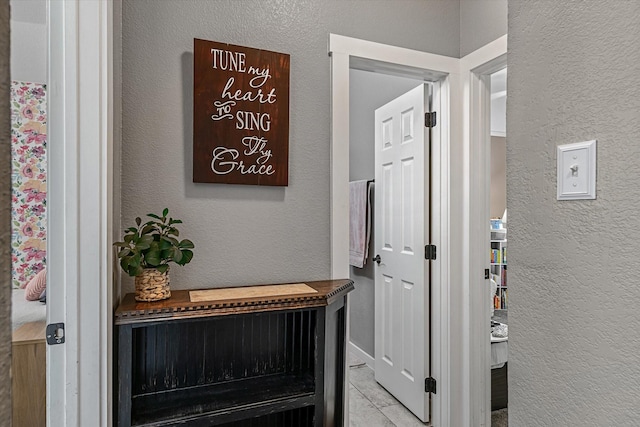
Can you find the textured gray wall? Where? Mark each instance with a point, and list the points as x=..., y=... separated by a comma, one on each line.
x=574, y=313
x=481, y=22
x=248, y=234
x=367, y=91
x=5, y=218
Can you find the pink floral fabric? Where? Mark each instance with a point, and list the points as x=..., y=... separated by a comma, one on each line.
x=29, y=180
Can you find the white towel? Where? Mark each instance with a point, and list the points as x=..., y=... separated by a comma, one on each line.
x=359, y=222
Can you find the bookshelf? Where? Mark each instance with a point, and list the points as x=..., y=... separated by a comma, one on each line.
x=275, y=360
x=498, y=266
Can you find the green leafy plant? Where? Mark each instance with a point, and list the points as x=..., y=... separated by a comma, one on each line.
x=153, y=244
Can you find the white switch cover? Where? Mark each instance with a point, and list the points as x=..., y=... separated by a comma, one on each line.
x=577, y=171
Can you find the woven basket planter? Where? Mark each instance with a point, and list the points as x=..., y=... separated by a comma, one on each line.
x=152, y=285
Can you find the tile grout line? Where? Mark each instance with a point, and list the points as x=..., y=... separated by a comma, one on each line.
x=364, y=394
x=372, y=404
x=397, y=402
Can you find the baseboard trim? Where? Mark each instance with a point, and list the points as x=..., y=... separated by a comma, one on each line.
x=362, y=355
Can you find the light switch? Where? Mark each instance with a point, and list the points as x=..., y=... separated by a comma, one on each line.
x=577, y=171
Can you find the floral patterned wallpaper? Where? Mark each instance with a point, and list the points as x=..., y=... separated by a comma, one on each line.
x=29, y=180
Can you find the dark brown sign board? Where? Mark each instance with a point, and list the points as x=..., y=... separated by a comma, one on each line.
x=240, y=115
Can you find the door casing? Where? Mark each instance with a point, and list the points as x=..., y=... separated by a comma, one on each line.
x=476, y=69
x=460, y=356
x=81, y=214
x=348, y=52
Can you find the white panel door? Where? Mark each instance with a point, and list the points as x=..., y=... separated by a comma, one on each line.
x=401, y=233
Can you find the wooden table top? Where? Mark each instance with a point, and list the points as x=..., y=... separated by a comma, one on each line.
x=30, y=333
x=180, y=306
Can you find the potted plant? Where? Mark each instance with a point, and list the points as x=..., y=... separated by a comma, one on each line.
x=146, y=252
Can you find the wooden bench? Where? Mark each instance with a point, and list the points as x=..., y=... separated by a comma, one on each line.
x=244, y=358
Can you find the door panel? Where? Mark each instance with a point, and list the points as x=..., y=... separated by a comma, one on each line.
x=408, y=330
x=408, y=218
x=402, y=293
x=387, y=316
x=387, y=207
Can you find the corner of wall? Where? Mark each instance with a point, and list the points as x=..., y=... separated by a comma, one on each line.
x=117, y=142
x=481, y=22
x=5, y=214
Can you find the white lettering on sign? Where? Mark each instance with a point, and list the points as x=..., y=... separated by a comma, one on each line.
x=224, y=110
x=226, y=160
x=228, y=61
x=221, y=166
x=249, y=95
x=248, y=120
x=261, y=76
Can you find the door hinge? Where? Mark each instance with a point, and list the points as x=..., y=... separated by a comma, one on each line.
x=430, y=385
x=430, y=119
x=486, y=273
x=430, y=252
x=55, y=333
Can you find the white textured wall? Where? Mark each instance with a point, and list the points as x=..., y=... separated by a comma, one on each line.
x=249, y=234
x=574, y=291
x=5, y=218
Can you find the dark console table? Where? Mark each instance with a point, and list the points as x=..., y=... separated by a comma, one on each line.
x=249, y=361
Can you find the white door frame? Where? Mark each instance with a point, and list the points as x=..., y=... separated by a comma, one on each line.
x=475, y=70
x=447, y=186
x=80, y=216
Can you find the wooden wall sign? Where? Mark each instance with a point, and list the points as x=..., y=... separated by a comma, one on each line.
x=240, y=115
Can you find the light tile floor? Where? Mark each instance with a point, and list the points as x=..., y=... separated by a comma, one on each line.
x=370, y=405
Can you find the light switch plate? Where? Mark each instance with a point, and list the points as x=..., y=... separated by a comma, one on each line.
x=577, y=171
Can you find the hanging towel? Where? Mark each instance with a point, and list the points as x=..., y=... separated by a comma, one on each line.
x=359, y=222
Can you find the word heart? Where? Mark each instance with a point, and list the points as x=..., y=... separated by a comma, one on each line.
x=249, y=95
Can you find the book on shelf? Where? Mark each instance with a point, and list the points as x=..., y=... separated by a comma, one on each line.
x=497, y=256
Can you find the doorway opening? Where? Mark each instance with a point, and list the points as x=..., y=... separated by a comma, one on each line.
x=347, y=54
x=389, y=216
x=476, y=69
x=78, y=194
x=29, y=171
x=498, y=249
